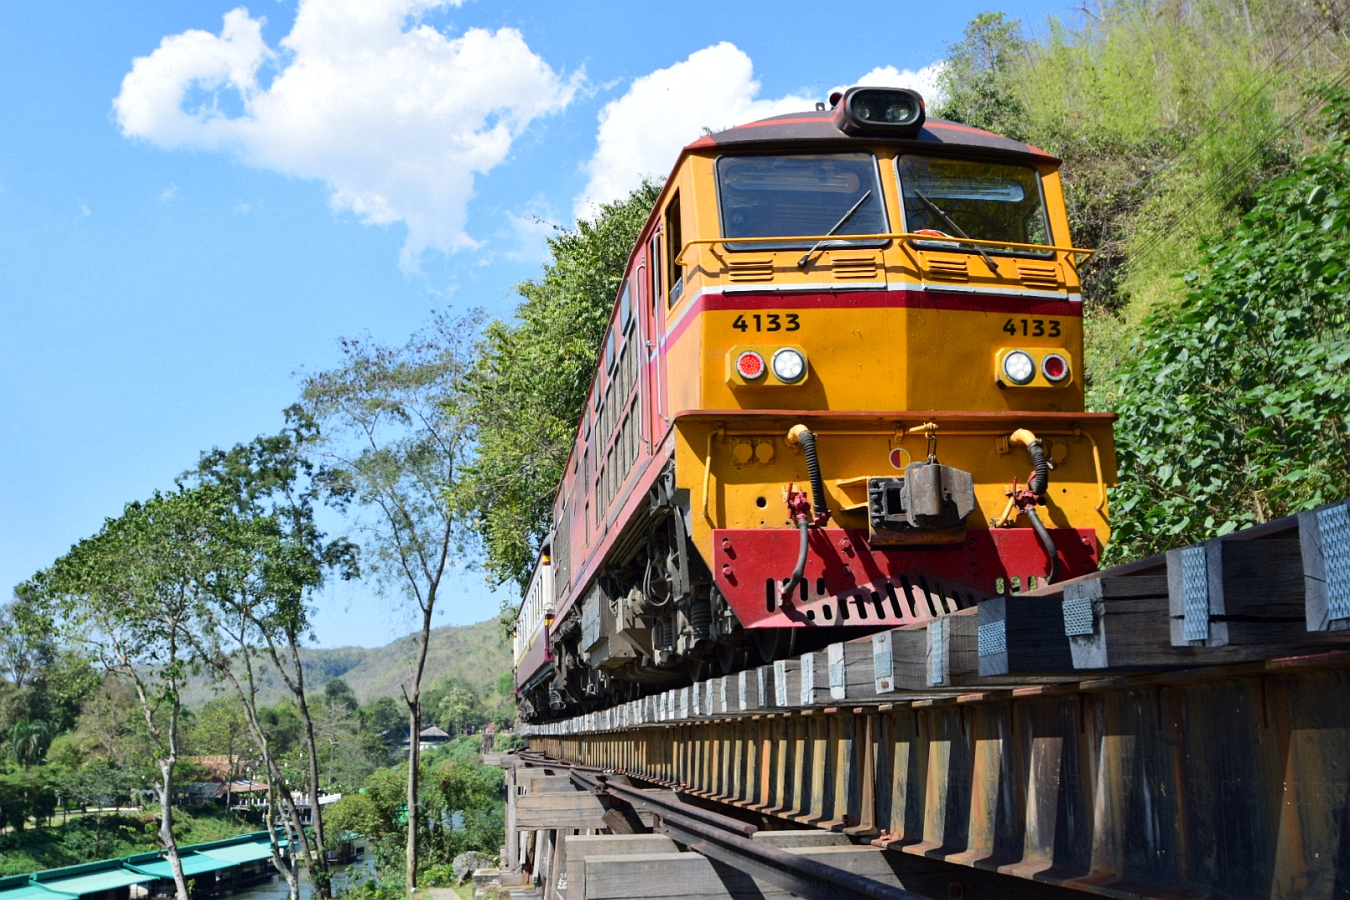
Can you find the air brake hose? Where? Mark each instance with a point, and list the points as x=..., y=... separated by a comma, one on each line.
x=1040, y=479
x=1049, y=545
x=800, y=569
x=802, y=435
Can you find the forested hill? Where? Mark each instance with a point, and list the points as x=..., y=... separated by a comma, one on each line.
x=475, y=654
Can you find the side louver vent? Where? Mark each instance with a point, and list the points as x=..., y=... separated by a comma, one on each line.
x=947, y=268
x=751, y=269
x=1039, y=275
x=854, y=267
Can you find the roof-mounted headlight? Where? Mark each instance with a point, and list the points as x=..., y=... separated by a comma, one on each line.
x=890, y=111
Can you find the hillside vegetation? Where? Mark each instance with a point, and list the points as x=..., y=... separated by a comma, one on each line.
x=476, y=655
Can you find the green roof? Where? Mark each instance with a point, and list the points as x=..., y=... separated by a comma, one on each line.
x=241, y=853
x=32, y=891
x=96, y=882
x=193, y=864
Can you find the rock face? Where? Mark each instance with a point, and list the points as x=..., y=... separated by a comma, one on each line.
x=466, y=864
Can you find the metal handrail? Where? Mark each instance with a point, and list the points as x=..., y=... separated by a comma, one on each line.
x=898, y=236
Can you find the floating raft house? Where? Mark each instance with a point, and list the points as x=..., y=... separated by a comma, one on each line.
x=233, y=862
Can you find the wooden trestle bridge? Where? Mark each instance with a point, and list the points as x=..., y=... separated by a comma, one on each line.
x=1174, y=728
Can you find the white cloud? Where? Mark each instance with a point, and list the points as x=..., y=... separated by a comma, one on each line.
x=641, y=133
x=169, y=193
x=394, y=116
x=83, y=208
x=925, y=80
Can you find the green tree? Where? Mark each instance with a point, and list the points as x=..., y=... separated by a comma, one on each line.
x=526, y=390
x=339, y=695
x=1234, y=407
x=272, y=556
x=221, y=729
x=46, y=682
x=28, y=741
x=460, y=709
x=392, y=441
x=30, y=795
x=976, y=82
x=130, y=596
x=384, y=719
x=472, y=792
x=378, y=811
x=99, y=784
x=23, y=649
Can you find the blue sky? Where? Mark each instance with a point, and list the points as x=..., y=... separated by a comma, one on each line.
x=197, y=199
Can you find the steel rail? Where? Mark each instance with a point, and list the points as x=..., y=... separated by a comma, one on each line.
x=729, y=841
x=800, y=875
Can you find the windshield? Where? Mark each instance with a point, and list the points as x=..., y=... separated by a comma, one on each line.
x=799, y=195
x=982, y=200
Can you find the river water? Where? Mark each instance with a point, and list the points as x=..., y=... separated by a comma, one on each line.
x=353, y=874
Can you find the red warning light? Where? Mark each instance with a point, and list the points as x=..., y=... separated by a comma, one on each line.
x=1055, y=367
x=750, y=365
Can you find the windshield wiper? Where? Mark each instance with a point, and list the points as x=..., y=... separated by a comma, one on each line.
x=801, y=263
x=952, y=226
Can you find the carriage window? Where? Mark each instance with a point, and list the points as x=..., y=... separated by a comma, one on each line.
x=983, y=200
x=800, y=195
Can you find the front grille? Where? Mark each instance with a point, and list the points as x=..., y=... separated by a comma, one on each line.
x=751, y=270
x=1039, y=275
x=947, y=268
x=854, y=266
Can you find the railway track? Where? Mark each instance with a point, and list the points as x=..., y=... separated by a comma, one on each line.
x=1176, y=727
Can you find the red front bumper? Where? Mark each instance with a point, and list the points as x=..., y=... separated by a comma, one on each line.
x=849, y=583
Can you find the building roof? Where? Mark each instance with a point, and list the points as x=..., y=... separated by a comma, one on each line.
x=193, y=864
x=221, y=788
x=241, y=853
x=433, y=731
x=106, y=879
x=30, y=891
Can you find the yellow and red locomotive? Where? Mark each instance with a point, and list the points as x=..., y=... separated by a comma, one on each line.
x=842, y=389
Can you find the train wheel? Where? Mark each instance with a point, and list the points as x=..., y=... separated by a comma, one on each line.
x=775, y=643
x=728, y=658
x=699, y=669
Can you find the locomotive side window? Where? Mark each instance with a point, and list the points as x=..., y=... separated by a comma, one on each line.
x=654, y=254
x=988, y=201
x=799, y=195
x=674, y=244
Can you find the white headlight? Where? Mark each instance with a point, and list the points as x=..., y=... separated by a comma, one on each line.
x=1019, y=367
x=789, y=365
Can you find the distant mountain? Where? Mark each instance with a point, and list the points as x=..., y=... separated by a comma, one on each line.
x=475, y=653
